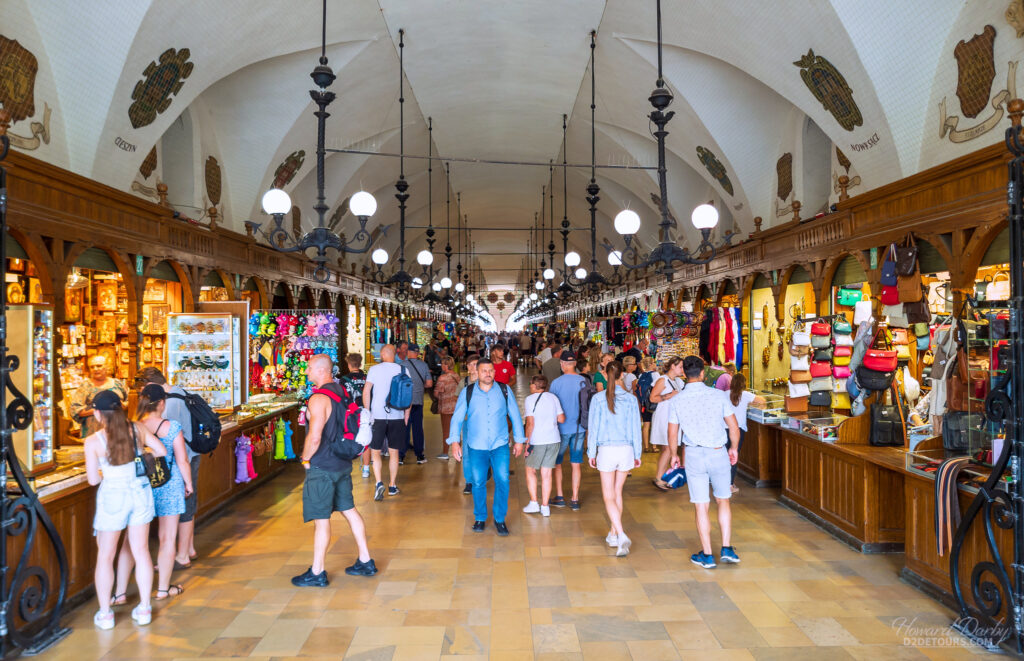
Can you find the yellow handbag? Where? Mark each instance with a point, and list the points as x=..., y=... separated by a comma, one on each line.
x=840, y=360
x=840, y=400
x=902, y=351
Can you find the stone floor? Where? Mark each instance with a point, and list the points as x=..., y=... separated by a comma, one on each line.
x=552, y=590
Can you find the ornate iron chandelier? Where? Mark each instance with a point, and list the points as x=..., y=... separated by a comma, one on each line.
x=277, y=202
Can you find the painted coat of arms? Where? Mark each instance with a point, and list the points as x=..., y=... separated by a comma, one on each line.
x=18, y=69
x=830, y=88
x=213, y=180
x=152, y=95
x=976, y=71
x=285, y=172
x=148, y=164
x=715, y=168
x=784, y=177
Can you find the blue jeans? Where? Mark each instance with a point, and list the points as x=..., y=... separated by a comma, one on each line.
x=498, y=461
x=415, y=429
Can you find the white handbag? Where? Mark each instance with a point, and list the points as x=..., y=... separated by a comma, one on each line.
x=844, y=340
x=799, y=363
x=998, y=290
x=801, y=338
x=798, y=390
x=840, y=385
x=861, y=311
x=821, y=383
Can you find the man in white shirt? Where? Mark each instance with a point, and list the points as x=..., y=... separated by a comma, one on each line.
x=543, y=415
x=699, y=411
x=544, y=355
x=388, y=424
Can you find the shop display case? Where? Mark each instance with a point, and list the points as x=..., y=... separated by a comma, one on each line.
x=30, y=337
x=203, y=357
x=925, y=462
x=773, y=411
x=825, y=429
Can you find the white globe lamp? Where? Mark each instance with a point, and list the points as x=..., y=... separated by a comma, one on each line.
x=425, y=258
x=276, y=202
x=627, y=222
x=615, y=258
x=362, y=204
x=572, y=258
x=379, y=256
x=446, y=282
x=705, y=217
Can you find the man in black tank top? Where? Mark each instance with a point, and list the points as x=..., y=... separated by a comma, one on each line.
x=328, y=485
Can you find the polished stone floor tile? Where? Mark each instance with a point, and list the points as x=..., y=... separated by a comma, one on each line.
x=551, y=591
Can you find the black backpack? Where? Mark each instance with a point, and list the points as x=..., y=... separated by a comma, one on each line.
x=205, y=423
x=587, y=392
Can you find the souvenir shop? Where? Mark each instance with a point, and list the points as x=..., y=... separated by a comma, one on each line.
x=874, y=355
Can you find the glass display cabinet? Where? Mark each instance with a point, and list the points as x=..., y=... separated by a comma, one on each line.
x=773, y=411
x=825, y=429
x=203, y=357
x=30, y=337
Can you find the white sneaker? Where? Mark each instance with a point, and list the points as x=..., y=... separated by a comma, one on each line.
x=142, y=617
x=545, y=510
x=366, y=472
x=624, y=544
x=532, y=508
x=102, y=621
x=612, y=539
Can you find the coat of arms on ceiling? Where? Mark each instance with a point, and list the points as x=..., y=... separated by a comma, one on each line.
x=976, y=72
x=843, y=160
x=213, y=183
x=784, y=175
x=152, y=95
x=289, y=167
x=715, y=167
x=830, y=88
x=18, y=68
x=148, y=163
x=1015, y=16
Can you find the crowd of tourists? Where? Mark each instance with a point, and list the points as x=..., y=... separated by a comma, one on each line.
x=605, y=409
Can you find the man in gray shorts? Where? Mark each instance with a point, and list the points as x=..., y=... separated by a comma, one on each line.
x=707, y=421
x=543, y=415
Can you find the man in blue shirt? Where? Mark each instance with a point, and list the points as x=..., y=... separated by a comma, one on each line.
x=485, y=409
x=567, y=389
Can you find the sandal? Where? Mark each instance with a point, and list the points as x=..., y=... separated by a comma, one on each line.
x=119, y=599
x=172, y=591
x=178, y=566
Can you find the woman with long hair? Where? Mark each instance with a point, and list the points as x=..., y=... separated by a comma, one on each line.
x=665, y=388
x=601, y=381
x=614, y=448
x=168, y=499
x=593, y=361
x=446, y=391
x=649, y=366
x=741, y=398
x=123, y=500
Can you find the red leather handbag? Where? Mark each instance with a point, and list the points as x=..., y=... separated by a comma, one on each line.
x=842, y=351
x=890, y=296
x=821, y=368
x=880, y=360
x=821, y=328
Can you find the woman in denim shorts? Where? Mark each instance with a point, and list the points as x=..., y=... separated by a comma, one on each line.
x=123, y=500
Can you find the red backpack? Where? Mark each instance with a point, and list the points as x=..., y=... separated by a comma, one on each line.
x=347, y=420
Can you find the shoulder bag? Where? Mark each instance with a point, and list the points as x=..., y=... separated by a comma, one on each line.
x=840, y=400
x=879, y=360
x=999, y=290
x=906, y=257
x=821, y=341
x=796, y=404
x=957, y=429
x=841, y=371
x=800, y=376
x=820, y=398
x=799, y=363
x=849, y=295
x=821, y=383
x=798, y=389
x=821, y=327
x=820, y=368
x=917, y=312
x=823, y=354
x=869, y=379
x=890, y=277
x=888, y=423
x=890, y=295
x=841, y=326
x=149, y=465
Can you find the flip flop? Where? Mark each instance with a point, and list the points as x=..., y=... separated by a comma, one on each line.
x=178, y=566
x=172, y=591
x=119, y=599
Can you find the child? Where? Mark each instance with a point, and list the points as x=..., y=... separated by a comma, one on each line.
x=543, y=414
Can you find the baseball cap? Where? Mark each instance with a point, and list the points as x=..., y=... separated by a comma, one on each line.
x=567, y=357
x=414, y=347
x=107, y=400
x=154, y=393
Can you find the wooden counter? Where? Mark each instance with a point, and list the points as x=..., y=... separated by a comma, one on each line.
x=760, y=460
x=72, y=509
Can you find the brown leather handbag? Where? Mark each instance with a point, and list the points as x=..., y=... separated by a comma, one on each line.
x=796, y=404
x=957, y=384
x=800, y=376
x=909, y=288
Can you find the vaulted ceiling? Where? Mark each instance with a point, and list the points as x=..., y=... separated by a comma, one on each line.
x=496, y=77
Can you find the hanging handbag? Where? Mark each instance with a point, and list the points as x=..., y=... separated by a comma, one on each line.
x=796, y=404
x=861, y=311
x=981, y=288
x=917, y=312
x=890, y=295
x=800, y=376
x=798, y=389
x=820, y=327
x=823, y=354
x=149, y=465
x=841, y=385
x=821, y=383
x=956, y=383
x=906, y=257
x=799, y=363
x=799, y=351
x=919, y=329
x=820, y=398
x=902, y=352
x=879, y=360
x=819, y=369
x=801, y=338
x=844, y=341
x=840, y=400
x=849, y=296
x=841, y=372
x=999, y=290
x=841, y=326
x=841, y=361
x=842, y=351
x=821, y=341
x=896, y=315
x=900, y=336
x=889, y=278
x=888, y=423
x=868, y=379
x=909, y=288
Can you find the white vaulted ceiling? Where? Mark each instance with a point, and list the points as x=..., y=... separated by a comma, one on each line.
x=496, y=78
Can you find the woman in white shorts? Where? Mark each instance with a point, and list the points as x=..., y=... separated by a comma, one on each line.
x=614, y=445
x=123, y=500
x=668, y=385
